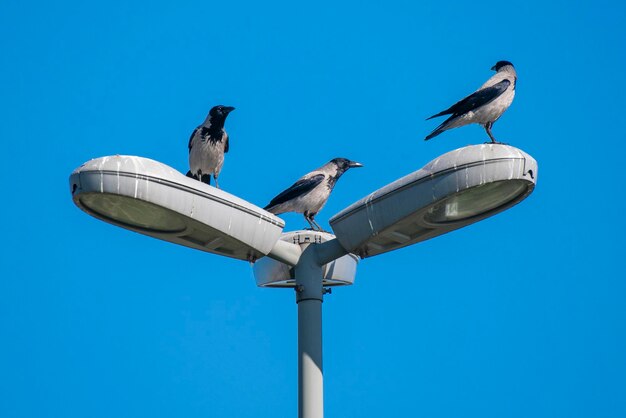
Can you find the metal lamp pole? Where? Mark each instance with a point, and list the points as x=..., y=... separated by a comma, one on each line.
x=309, y=297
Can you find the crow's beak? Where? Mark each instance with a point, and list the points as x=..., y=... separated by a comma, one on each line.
x=354, y=164
x=228, y=109
x=493, y=68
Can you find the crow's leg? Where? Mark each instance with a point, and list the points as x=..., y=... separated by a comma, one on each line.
x=488, y=126
x=306, y=216
x=319, y=228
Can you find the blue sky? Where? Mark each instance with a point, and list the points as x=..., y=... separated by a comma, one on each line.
x=523, y=314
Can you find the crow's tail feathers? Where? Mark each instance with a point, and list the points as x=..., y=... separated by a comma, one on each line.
x=444, y=112
x=204, y=178
x=445, y=125
x=434, y=133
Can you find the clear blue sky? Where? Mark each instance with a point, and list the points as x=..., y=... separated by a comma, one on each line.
x=521, y=315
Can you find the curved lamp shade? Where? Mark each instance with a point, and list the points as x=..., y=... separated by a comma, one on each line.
x=455, y=190
x=152, y=198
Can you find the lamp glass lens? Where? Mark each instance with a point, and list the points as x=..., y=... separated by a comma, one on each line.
x=132, y=212
x=476, y=201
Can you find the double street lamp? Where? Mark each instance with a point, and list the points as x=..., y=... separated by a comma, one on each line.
x=455, y=190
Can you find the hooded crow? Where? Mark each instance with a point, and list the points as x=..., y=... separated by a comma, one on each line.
x=309, y=194
x=485, y=105
x=207, y=145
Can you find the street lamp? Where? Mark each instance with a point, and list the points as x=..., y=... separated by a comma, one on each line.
x=455, y=190
x=151, y=198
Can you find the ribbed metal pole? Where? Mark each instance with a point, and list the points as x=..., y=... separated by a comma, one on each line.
x=309, y=296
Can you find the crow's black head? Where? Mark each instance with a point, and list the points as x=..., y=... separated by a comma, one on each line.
x=343, y=164
x=218, y=113
x=501, y=64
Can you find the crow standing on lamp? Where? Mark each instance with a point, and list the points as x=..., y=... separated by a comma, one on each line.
x=485, y=105
x=207, y=146
x=309, y=194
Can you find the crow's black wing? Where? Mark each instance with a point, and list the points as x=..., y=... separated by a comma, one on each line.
x=297, y=189
x=475, y=100
x=191, y=138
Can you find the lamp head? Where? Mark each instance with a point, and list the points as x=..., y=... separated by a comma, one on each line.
x=148, y=197
x=452, y=191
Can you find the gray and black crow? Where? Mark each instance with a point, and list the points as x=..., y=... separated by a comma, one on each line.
x=485, y=105
x=309, y=194
x=207, y=145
